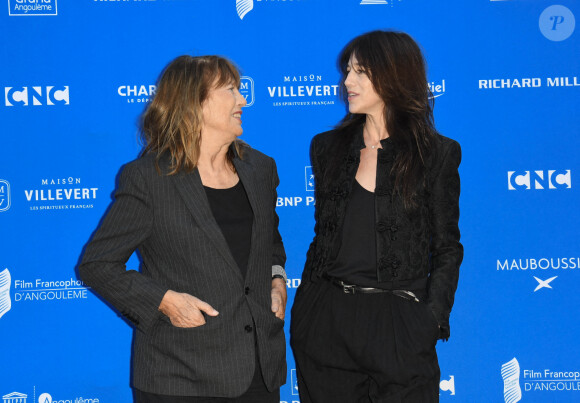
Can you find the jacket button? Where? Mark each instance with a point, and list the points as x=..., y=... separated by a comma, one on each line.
x=381, y=227
x=247, y=290
x=394, y=228
x=248, y=329
x=395, y=273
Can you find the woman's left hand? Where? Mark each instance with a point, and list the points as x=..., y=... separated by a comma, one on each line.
x=279, y=297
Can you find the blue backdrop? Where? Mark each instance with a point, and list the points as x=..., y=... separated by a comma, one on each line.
x=76, y=74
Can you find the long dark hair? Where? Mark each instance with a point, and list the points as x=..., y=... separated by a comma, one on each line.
x=171, y=124
x=396, y=67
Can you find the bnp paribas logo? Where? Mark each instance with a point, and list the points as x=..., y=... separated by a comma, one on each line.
x=510, y=372
x=5, y=301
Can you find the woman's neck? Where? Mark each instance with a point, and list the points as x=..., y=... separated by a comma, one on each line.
x=374, y=130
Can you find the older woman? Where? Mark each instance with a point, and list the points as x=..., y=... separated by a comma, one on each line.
x=208, y=303
x=381, y=273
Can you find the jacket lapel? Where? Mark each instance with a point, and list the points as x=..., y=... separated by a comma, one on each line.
x=190, y=188
x=247, y=175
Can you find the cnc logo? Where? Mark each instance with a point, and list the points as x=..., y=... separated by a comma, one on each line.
x=5, y=301
x=14, y=397
x=32, y=7
x=542, y=179
x=557, y=23
x=4, y=195
x=510, y=372
x=36, y=96
x=309, y=179
x=448, y=385
x=247, y=89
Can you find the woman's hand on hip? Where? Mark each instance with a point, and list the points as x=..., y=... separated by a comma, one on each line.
x=185, y=310
x=279, y=297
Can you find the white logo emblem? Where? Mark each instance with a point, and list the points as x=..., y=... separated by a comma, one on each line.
x=14, y=397
x=5, y=301
x=294, y=380
x=540, y=179
x=37, y=95
x=32, y=7
x=309, y=178
x=247, y=89
x=244, y=7
x=510, y=372
x=448, y=385
x=45, y=398
x=544, y=283
x=4, y=195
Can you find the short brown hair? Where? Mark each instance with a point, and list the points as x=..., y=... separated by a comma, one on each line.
x=172, y=122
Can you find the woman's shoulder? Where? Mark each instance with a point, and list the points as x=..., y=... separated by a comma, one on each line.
x=252, y=155
x=336, y=139
x=445, y=149
x=445, y=142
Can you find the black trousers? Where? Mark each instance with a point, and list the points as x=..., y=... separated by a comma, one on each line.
x=363, y=347
x=256, y=393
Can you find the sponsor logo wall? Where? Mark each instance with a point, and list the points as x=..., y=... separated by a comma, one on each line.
x=505, y=85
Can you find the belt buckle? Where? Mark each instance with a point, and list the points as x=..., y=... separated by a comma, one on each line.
x=347, y=288
x=406, y=295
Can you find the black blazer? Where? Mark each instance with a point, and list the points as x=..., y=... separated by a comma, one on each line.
x=412, y=245
x=169, y=220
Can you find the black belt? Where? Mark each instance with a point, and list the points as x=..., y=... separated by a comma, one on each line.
x=357, y=289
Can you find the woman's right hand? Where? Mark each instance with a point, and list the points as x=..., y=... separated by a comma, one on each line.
x=185, y=310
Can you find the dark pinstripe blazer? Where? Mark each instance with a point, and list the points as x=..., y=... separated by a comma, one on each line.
x=169, y=220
